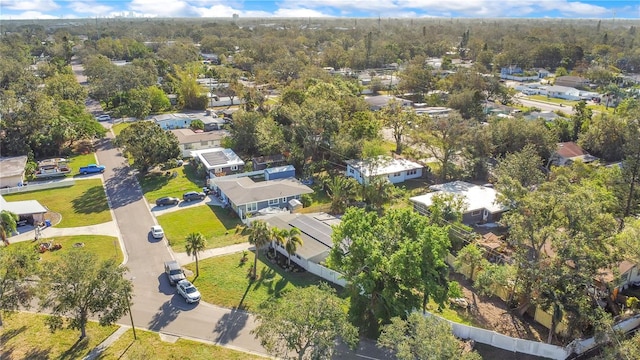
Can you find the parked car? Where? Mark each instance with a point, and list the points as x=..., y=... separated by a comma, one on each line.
x=167, y=200
x=193, y=195
x=157, y=232
x=91, y=169
x=189, y=292
x=103, y=117
x=174, y=272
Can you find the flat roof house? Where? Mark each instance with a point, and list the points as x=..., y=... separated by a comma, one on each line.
x=30, y=210
x=396, y=170
x=190, y=140
x=481, y=201
x=12, y=170
x=183, y=121
x=380, y=101
x=219, y=161
x=246, y=196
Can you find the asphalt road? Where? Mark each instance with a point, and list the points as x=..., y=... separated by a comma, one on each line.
x=545, y=106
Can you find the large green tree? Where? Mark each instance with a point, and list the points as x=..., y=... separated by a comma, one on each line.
x=79, y=286
x=393, y=263
x=17, y=264
x=423, y=337
x=307, y=321
x=148, y=144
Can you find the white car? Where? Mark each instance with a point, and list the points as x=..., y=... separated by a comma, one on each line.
x=103, y=117
x=189, y=292
x=157, y=232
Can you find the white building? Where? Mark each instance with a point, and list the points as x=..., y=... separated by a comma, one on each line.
x=396, y=170
x=219, y=161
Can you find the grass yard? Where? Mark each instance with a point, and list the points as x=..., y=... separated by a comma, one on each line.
x=451, y=314
x=223, y=281
x=105, y=247
x=158, y=184
x=82, y=204
x=150, y=346
x=216, y=224
x=78, y=161
x=552, y=100
x=117, y=128
x=26, y=336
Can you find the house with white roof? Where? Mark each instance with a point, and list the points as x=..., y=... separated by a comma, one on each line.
x=219, y=161
x=395, y=170
x=30, y=211
x=481, y=201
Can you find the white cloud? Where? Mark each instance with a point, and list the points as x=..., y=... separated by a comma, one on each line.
x=163, y=8
x=30, y=5
x=299, y=12
x=80, y=7
x=344, y=7
x=27, y=15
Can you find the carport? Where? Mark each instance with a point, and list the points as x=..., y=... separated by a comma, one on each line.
x=30, y=210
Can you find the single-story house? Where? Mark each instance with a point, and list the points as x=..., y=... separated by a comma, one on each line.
x=219, y=161
x=12, y=170
x=30, y=211
x=315, y=232
x=568, y=152
x=546, y=115
x=210, y=58
x=380, y=101
x=434, y=111
x=629, y=275
x=572, y=81
x=396, y=170
x=190, y=140
x=246, y=196
x=183, y=121
x=481, y=201
x=263, y=162
x=563, y=92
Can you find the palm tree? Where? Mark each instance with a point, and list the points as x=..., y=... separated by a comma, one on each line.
x=196, y=243
x=292, y=240
x=259, y=237
x=277, y=236
x=8, y=225
x=341, y=190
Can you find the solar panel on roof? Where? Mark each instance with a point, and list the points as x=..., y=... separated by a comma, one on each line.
x=215, y=158
x=313, y=228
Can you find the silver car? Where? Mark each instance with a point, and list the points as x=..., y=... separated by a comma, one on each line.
x=189, y=292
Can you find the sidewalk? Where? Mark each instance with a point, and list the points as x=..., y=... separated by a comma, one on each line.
x=182, y=258
x=97, y=351
x=109, y=229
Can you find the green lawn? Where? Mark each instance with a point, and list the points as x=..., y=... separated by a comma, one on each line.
x=26, y=336
x=78, y=161
x=158, y=184
x=216, y=224
x=150, y=346
x=105, y=247
x=224, y=281
x=453, y=315
x=82, y=204
x=552, y=100
x=117, y=128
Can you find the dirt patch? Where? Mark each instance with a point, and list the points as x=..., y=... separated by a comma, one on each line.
x=493, y=314
x=55, y=218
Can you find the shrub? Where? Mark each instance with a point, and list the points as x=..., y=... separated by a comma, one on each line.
x=306, y=200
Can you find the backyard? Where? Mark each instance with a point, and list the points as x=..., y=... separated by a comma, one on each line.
x=81, y=204
x=219, y=226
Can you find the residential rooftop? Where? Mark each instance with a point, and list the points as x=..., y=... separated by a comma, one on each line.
x=382, y=166
x=476, y=197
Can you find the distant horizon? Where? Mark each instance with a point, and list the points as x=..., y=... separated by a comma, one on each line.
x=320, y=9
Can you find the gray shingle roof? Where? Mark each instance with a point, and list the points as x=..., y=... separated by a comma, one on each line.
x=244, y=190
x=12, y=166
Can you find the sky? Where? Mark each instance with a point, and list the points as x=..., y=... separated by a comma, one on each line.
x=69, y=9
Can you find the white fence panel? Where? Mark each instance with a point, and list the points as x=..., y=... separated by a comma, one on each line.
x=327, y=274
x=38, y=186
